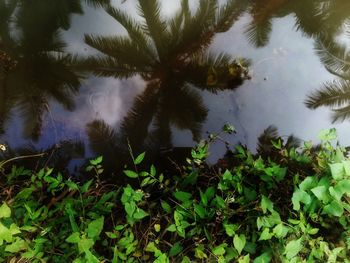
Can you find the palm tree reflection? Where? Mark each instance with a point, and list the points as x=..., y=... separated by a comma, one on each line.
x=34, y=68
x=171, y=55
x=334, y=94
x=324, y=21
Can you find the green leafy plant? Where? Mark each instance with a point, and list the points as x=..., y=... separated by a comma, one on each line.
x=292, y=207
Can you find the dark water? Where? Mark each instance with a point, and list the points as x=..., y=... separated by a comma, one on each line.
x=295, y=48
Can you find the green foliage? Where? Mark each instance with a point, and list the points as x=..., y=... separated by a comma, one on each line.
x=280, y=209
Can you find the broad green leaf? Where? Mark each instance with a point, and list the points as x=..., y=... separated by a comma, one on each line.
x=219, y=250
x=230, y=229
x=263, y=258
x=200, y=211
x=130, y=208
x=5, y=211
x=293, y=248
x=340, y=189
x=265, y=234
x=85, y=244
x=313, y=231
x=239, y=242
x=335, y=208
x=204, y=199
x=244, y=259
x=71, y=185
x=346, y=167
x=139, y=214
x=266, y=204
x=131, y=174
x=308, y=183
x=227, y=176
x=17, y=246
x=300, y=196
x=220, y=203
x=95, y=227
x=90, y=257
x=337, y=171
x=209, y=193
x=175, y=249
x=139, y=158
x=171, y=228
x=321, y=192
x=182, y=196
x=73, y=238
x=279, y=230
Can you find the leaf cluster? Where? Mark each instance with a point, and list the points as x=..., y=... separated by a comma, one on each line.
x=293, y=207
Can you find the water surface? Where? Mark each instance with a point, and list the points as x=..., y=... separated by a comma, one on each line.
x=295, y=47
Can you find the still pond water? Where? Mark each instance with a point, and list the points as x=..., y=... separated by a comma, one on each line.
x=295, y=48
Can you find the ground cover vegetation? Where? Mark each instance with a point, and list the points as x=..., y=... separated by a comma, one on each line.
x=283, y=204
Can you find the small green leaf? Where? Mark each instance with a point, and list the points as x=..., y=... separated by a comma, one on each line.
x=337, y=171
x=95, y=227
x=166, y=207
x=308, y=183
x=265, y=234
x=86, y=186
x=16, y=246
x=244, y=259
x=200, y=211
x=239, y=242
x=280, y=230
x=85, y=244
x=131, y=174
x=263, y=258
x=199, y=252
x=266, y=204
x=227, y=176
x=293, y=248
x=139, y=158
x=220, y=203
x=182, y=196
x=204, y=199
x=5, y=211
x=219, y=250
x=139, y=214
x=130, y=208
x=97, y=161
x=230, y=229
x=335, y=208
x=346, y=167
x=300, y=196
x=157, y=227
x=175, y=249
x=321, y=192
x=171, y=228
x=313, y=231
x=71, y=185
x=153, y=170
x=73, y=238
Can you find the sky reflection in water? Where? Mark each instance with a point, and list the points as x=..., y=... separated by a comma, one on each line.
x=284, y=72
